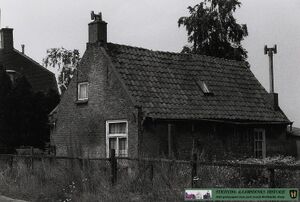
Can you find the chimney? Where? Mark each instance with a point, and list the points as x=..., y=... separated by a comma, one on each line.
x=23, y=48
x=97, y=29
x=7, y=42
x=273, y=99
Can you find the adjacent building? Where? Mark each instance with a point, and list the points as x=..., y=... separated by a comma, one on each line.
x=18, y=63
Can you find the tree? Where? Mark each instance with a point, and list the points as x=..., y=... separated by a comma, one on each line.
x=213, y=30
x=24, y=113
x=65, y=62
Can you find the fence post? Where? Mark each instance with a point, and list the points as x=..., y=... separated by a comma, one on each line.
x=194, y=170
x=32, y=158
x=271, y=180
x=151, y=172
x=113, y=166
x=11, y=161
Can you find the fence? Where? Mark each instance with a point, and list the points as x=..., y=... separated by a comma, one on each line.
x=173, y=174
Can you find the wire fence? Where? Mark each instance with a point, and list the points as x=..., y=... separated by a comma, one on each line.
x=163, y=173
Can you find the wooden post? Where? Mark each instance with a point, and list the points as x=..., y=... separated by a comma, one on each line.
x=271, y=180
x=32, y=158
x=151, y=172
x=81, y=163
x=11, y=161
x=170, y=140
x=194, y=170
x=113, y=165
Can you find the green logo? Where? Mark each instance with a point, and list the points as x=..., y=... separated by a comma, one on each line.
x=293, y=194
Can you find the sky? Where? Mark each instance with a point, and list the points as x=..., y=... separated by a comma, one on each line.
x=153, y=25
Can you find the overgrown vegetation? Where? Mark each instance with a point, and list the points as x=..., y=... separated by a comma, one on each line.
x=71, y=182
x=74, y=180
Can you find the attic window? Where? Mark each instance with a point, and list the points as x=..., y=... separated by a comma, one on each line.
x=83, y=91
x=204, y=87
x=12, y=75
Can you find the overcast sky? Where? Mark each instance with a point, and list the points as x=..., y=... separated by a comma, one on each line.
x=152, y=24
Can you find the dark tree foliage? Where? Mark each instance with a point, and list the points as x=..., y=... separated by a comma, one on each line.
x=213, y=30
x=65, y=62
x=24, y=113
x=5, y=88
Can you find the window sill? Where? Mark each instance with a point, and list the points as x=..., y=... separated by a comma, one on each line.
x=81, y=101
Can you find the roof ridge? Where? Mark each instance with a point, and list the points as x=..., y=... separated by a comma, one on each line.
x=244, y=63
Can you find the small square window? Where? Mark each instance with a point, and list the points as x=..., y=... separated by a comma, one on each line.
x=83, y=91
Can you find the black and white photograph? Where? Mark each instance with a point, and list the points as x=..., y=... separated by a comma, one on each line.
x=142, y=100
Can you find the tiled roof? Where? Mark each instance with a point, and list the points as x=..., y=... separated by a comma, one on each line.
x=295, y=131
x=165, y=86
x=39, y=77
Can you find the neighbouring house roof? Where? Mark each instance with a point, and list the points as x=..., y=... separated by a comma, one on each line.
x=39, y=77
x=166, y=86
x=295, y=131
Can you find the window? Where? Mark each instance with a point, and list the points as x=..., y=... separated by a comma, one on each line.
x=83, y=91
x=1, y=44
x=204, y=88
x=12, y=75
x=117, y=138
x=259, y=143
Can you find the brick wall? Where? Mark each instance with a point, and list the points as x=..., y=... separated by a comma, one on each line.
x=81, y=127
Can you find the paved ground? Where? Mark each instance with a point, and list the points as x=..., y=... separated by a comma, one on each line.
x=6, y=199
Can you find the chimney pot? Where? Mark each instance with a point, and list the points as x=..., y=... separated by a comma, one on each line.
x=98, y=30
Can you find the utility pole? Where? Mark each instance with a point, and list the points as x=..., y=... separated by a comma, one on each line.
x=270, y=52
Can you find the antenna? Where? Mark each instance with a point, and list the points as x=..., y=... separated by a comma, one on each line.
x=270, y=52
x=0, y=18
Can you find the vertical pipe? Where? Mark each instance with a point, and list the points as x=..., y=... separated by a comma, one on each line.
x=270, y=53
x=23, y=48
x=170, y=140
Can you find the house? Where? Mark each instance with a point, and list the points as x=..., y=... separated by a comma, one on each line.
x=145, y=103
x=17, y=63
x=295, y=135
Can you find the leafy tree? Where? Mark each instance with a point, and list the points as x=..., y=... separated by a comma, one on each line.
x=213, y=30
x=65, y=62
x=24, y=113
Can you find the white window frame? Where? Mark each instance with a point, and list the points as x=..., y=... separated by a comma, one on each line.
x=263, y=141
x=87, y=90
x=1, y=41
x=11, y=74
x=117, y=136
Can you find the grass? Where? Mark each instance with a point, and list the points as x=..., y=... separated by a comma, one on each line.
x=69, y=182
x=65, y=181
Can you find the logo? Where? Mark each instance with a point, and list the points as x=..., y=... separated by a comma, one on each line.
x=293, y=194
